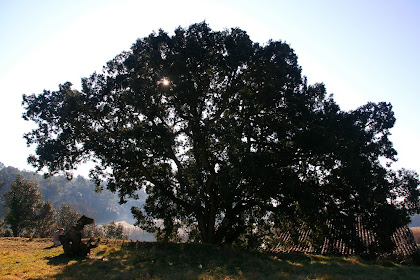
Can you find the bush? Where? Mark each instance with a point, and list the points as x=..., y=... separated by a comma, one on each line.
x=93, y=231
x=114, y=230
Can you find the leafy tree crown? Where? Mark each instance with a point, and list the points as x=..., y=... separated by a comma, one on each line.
x=226, y=137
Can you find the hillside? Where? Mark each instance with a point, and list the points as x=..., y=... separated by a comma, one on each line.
x=79, y=193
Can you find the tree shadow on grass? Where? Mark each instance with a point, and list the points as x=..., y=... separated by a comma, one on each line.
x=195, y=261
x=61, y=260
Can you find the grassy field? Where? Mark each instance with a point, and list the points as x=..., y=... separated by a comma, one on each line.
x=21, y=258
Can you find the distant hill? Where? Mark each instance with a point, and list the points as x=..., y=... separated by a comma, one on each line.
x=79, y=193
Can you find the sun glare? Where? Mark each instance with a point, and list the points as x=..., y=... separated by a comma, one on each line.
x=165, y=82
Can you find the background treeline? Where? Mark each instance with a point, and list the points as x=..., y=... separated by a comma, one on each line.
x=78, y=193
x=71, y=199
x=33, y=206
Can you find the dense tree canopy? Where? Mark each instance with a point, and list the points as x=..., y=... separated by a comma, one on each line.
x=226, y=137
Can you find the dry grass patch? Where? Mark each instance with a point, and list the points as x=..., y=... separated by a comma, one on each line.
x=22, y=258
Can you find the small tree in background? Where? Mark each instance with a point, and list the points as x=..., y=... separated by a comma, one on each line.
x=67, y=216
x=23, y=205
x=45, y=223
x=114, y=231
x=25, y=210
x=4, y=229
x=93, y=231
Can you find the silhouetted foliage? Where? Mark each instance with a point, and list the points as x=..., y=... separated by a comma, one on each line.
x=227, y=138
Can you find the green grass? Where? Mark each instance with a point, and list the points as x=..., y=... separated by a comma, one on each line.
x=24, y=259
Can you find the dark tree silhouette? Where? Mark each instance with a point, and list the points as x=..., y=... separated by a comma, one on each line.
x=226, y=137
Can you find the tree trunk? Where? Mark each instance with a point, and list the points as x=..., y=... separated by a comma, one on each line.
x=207, y=229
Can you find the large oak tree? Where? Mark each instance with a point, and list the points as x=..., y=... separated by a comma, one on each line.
x=225, y=136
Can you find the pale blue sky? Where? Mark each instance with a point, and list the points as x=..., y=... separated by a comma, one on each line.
x=362, y=50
